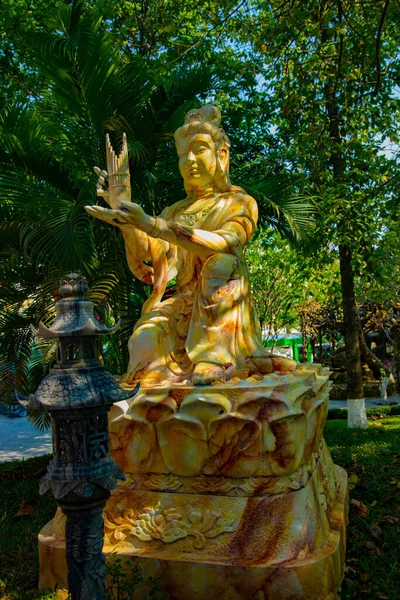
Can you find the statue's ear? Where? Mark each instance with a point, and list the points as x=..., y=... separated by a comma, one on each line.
x=223, y=157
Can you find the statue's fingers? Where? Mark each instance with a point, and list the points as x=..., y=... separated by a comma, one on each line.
x=97, y=171
x=127, y=216
x=103, y=193
x=104, y=214
x=104, y=174
x=101, y=180
x=122, y=208
x=129, y=206
x=100, y=212
x=130, y=210
x=107, y=215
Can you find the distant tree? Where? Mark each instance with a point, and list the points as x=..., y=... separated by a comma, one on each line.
x=331, y=70
x=288, y=284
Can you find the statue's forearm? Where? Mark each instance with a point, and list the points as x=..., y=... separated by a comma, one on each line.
x=136, y=245
x=197, y=241
x=200, y=242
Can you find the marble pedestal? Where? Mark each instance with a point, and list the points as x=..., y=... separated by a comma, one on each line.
x=230, y=492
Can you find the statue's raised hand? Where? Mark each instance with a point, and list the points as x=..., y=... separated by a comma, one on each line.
x=113, y=185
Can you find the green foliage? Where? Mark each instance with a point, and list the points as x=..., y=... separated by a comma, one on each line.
x=47, y=156
x=372, y=413
x=125, y=577
x=283, y=278
x=283, y=205
x=322, y=60
x=379, y=279
x=279, y=71
x=331, y=76
x=19, y=481
x=83, y=85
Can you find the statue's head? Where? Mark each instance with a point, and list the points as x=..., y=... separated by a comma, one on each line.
x=203, y=149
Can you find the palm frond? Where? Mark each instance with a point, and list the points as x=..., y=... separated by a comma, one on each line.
x=48, y=148
x=283, y=206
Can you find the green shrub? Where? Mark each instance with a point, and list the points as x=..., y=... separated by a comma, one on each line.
x=372, y=413
x=124, y=577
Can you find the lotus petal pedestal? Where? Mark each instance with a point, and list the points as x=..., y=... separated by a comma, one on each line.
x=231, y=492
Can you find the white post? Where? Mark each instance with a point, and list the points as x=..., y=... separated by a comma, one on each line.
x=356, y=414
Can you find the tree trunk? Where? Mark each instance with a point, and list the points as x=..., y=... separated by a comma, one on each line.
x=312, y=343
x=396, y=355
x=355, y=389
x=374, y=363
x=320, y=343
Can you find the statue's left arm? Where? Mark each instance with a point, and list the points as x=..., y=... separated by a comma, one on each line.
x=237, y=229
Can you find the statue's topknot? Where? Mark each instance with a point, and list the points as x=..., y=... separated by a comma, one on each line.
x=208, y=112
x=205, y=119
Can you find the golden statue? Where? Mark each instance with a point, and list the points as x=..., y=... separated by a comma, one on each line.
x=208, y=330
x=230, y=489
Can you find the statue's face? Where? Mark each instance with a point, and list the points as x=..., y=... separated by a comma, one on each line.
x=197, y=159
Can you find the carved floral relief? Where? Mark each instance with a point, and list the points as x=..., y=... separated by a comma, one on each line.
x=168, y=525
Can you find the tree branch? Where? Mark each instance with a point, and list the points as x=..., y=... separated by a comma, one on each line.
x=372, y=361
x=378, y=49
x=348, y=20
x=233, y=11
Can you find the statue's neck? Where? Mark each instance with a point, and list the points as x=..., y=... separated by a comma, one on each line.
x=203, y=193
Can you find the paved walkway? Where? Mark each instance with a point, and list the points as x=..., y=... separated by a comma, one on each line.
x=19, y=439
x=369, y=403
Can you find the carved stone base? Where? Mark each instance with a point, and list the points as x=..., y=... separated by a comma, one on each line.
x=289, y=545
x=230, y=491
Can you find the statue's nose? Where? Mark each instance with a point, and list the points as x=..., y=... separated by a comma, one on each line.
x=191, y=158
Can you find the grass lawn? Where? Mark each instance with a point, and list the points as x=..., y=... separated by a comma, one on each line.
x=19, y=493
x=372, y=459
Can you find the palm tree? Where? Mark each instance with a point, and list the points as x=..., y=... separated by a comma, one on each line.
x=48, y=148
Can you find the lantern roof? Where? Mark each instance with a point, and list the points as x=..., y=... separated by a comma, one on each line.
x=75, y=316
x=85, y=387
x=78, y=379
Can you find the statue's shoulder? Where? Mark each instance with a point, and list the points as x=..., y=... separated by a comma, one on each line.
x=240, y=198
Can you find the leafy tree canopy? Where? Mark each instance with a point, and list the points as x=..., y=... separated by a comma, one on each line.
x=309, y=92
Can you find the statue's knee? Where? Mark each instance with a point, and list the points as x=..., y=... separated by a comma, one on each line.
x=145, y=337
x=221, y=266
x=220, y=278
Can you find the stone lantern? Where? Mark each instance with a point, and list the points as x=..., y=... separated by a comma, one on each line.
x=78, y=393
